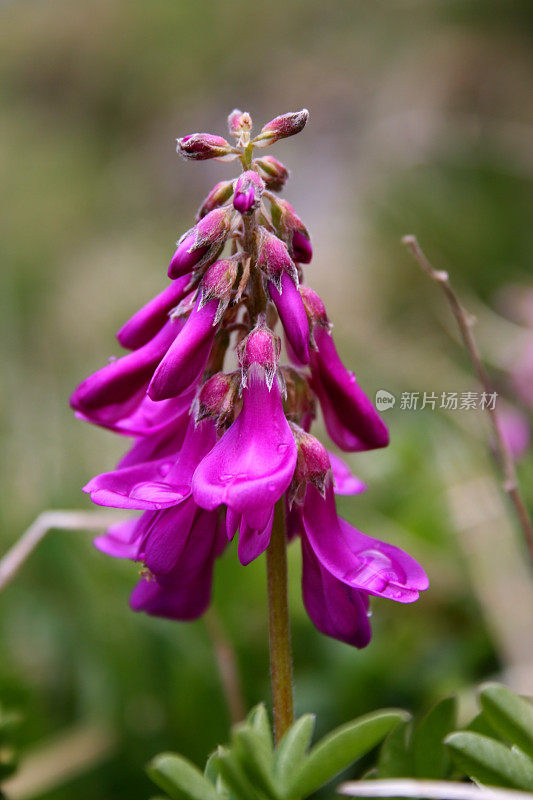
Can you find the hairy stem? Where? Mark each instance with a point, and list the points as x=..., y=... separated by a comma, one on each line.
x=504, y=458
x=279, y=626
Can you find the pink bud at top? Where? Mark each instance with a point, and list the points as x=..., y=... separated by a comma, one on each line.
x=219, y=194
x=239, y=122
x=261, y=347
x=315, y=308
x=201, y=245
x=200, y=146
x=282, y=127
x=217, y=399
x=274, y=259
x=292, y=230
x=273, y=172
x=248, y=190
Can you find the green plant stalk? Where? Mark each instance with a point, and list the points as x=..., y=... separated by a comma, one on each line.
x=279, y=626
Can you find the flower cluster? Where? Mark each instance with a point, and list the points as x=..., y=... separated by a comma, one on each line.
x=214, y=451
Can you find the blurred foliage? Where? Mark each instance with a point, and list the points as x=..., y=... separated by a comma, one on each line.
x=419, y=123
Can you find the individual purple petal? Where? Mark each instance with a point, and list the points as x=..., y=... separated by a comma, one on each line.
x=116, y=390
x=200, y=245
x=251, y=466
x=167, y=536
x=151, y=417
x=232, y=523
x=293, y=317
x=185, y=592
x=120, y=540
x=155, y=484
x=186, y=358
x=351, y=419
x=253, y=542
x=149, y=320
x=361, y=562
x=186, y=256
x=345, y=481
x=117, y=489
x=335, y=609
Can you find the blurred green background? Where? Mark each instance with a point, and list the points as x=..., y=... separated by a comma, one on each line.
x=420, y=122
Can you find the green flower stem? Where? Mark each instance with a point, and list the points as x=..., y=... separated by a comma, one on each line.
x=279, y=626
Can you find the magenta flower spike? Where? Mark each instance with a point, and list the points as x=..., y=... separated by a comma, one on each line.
x=221, y=445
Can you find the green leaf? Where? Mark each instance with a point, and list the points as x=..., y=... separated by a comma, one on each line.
x=293, y=747
x=180, y=778
x=480, y=724
x=430, y=758
x=509, y=714
x=256, y=760
x=341, y=748
x=395, y=758
x=211, y=769
x=490, y=762
x=260, y=722
x=234, y=777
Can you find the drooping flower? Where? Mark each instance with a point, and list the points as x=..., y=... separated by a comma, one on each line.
x=215, y=446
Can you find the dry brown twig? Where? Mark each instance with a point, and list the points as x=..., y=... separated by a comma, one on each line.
x=465, y=322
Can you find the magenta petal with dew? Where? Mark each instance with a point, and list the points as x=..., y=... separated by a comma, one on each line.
x=351, y=420
x=184, y=593
x=185, y=360
x=117, y=489
x=116, y=390
x=253, y=542
x=344, y=481
x=252, y=465
x=293, y=317
x=335, y=609
x=361, y=562
x=149, y=320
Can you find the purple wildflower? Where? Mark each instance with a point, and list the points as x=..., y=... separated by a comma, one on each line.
x=214, y=449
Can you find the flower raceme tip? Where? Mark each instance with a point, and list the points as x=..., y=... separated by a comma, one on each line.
x=216, y=447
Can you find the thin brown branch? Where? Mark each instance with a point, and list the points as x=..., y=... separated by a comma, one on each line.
x=15, y=557
x=465, y=321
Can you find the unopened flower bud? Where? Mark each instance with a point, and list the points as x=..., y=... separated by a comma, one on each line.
x=292, y=230
x=218, y=282
x=312, y=465
x=218, y=195
x=282, y=127
x=239, y=122
x=273, y=172
x=202, y=244
x=315, y=308
x=261, y=347
x=248, y=190
x=218, y=399
x=274, y=259
x=201, y=146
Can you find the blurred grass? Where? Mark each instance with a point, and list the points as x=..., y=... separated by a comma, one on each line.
x=420, y=116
